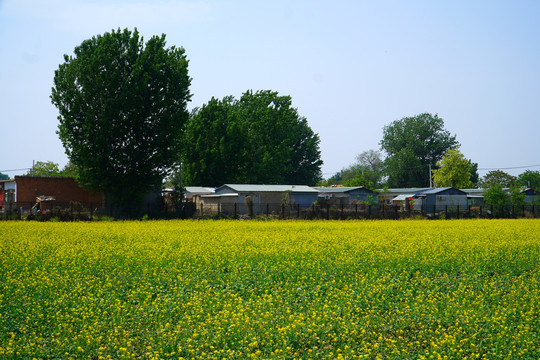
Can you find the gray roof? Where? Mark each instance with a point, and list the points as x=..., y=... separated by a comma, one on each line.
x=438, y=191
x=269, y=188
x=200, y=190
x=398, y=191
x=340, y=189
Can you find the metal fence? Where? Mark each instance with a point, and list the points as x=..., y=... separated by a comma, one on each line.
x=362, y=211
x=74, y=211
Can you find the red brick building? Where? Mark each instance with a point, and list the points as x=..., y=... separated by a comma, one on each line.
x=64, y=190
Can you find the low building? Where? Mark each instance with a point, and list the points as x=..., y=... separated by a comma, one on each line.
x=531, y=196
x=439, y=199
x=386, y=196
x=269, y=198
x=341, y=195
x=193, y=191
x=26, y=189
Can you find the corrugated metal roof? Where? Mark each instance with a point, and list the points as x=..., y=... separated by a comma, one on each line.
x=402, y=197
x=200, y=190
x=268, y=188
x=341, y=189
x=402, y=190
x=437, y=191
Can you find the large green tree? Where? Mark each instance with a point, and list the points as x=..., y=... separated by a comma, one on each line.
x=259, y=138
x=498, y=177
x=411, y=145
x=122, y=105
x=529, y=178
x=45, y=168
x=454, y=170
x=4, y=176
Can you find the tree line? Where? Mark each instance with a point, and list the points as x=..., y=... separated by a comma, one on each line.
x=125, y=127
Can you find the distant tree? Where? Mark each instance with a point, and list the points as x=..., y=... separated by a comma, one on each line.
x=454, y=170
x=411, y=145
x=259, y=139
x=495, y=196
x=366, y=171
x=517, y=196
x=45, y=168
x=4, y=176
x=475, y=178
x=498, y=177
x=69, y=170
x=122, y=106
x=530, y=179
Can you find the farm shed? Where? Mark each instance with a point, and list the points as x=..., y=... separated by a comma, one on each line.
x=65, y=190
x=439, y=199
x=213, y=203
x=193, y=191
x=531, y=196
x=344, y=195
x=8, y=189
x=269, y=197
x=386, y=196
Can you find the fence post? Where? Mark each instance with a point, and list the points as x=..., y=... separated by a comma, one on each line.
x=369, y=211
x=297, y=211
x=341, y=215
x=446, y=211
x=480, y=210
x=383, y=212
x=395, y=212
x=235, y=210
x=469, y=210
x=458, y=210
x=327, y=212
x=267, y=209
x=356, y=211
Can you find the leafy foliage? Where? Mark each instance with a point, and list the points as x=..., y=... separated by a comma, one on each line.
x=45, y=168
x=4, y=176
x=498, y=177
x=411, y=144
x=366, y=171
x=495, y=195
x=122, y=106
x=455, y=170
x=259, y=139
x=529, y=179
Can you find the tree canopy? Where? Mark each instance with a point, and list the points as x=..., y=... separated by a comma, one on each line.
x=411, y=145
x=498, y=177
x=367, y=171
x=259, y=138
x=4, y=176
x=122, y=105
x=454, y=170
x=529, y=179
x=45, y=168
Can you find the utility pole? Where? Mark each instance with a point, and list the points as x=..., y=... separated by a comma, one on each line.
x=430, y=182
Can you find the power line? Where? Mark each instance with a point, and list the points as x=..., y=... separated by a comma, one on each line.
x=424, y=166
x=509, y=168
x=15, y=170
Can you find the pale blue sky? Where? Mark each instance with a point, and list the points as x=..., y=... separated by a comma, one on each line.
x=351, y=67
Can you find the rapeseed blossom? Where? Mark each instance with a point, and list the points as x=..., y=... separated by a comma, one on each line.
x=270, y=290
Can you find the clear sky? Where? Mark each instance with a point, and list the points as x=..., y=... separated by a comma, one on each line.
x=351, y=67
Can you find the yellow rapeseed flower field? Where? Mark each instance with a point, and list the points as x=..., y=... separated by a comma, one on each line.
x=270, y=290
